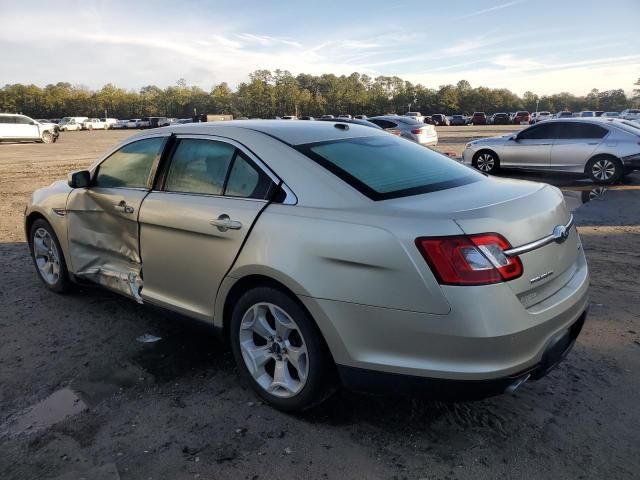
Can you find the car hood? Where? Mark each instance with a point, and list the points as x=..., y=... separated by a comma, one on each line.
x=491, y=140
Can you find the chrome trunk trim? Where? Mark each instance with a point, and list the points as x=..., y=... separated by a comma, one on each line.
x=556, y=236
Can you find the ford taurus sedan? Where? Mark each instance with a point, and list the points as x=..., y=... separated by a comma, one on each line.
x=326, y=253
x=604, y=150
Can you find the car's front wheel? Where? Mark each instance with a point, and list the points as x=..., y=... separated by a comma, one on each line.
x=279, y=350
x=604, y=169
x=48, y=257
x=486, y=161
x=47, y=137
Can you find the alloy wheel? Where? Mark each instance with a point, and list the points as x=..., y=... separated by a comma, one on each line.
x=485, y=162
x=603, y=169
x=274, y=350
x=46, y=256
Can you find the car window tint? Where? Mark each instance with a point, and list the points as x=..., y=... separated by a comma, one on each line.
x=131, y=165
x=385, y=167
x=6, y=119
x=199, y=166
x=410, y=121
x=544, y=131
x=23, y=120
x=384, y=123
x=575, y=130
x=246, y=180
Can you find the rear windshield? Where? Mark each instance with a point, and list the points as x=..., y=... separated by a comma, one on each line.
x=409, y=121
x=385, y=167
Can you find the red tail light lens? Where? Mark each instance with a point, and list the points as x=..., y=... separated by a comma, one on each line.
x=470, y=260
x=416, y=131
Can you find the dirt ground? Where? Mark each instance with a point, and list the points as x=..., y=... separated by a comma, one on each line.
x=81, y=398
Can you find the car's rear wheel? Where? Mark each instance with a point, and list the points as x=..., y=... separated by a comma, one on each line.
x=604, y=169
x=279, y=350
x=47, y=137
x=48, y=257
x=486, y=161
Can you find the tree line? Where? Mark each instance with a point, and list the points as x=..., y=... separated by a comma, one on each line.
x=268, y=94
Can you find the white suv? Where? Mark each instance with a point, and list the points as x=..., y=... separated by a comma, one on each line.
x=20, y=128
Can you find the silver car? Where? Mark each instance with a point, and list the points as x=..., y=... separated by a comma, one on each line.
x=325, y=254
x=603, y=149
x=407, y=127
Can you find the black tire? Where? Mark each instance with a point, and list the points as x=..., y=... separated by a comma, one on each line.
x=319, y=383
x=62, y=283
x=47, y=137
x=604, y=169
x=486, y=161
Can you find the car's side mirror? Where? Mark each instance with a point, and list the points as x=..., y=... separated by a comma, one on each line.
x=80, y=179
x=513, y=138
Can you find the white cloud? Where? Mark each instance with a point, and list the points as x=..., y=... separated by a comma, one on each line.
x=96, y=47
x=491, y=9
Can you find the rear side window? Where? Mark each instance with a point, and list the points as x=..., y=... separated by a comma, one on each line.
x=199, y=166
x=7, y=119
x=389, y=167
x=575, y=130
x=215, y=168
x=383, y=123
x=130, y=166
x=246, y=180
x=23, y=120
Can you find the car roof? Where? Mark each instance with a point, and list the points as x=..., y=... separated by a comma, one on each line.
x=292, y=133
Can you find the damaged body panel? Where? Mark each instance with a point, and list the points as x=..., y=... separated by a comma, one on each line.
x=103, y=237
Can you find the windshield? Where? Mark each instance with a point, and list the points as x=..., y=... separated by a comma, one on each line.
x=385, y=167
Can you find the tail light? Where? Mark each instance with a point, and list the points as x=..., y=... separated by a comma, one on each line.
x=470, y=260
x=417, y=131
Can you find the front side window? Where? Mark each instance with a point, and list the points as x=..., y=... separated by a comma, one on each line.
x=544, y=131
x=130, y=166
x=384, y=167
x=199, y=166
x=6, y=119
x=23, y=120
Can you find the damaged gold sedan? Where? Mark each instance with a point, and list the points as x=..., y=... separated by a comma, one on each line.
x=326, y=250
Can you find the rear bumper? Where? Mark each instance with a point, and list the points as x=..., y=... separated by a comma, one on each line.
x=477, y=340
x=373, y=381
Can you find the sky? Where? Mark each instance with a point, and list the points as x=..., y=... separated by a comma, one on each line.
x=543, y=46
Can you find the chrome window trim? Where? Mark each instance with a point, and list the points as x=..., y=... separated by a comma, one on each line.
x=541, y=242
x=290, y=197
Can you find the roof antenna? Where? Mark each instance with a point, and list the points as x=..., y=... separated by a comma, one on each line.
x=341, y=126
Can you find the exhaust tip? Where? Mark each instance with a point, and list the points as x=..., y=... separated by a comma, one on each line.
x=518, y=383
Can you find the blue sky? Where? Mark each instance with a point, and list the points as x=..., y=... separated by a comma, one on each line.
x=545, y=46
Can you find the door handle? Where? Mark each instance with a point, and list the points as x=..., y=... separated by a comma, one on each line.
x=123, y=207
x=224, y=223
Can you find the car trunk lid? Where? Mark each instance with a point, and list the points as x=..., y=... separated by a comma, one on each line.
x=523, y=213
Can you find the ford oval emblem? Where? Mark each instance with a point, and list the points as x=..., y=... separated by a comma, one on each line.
x=560, y=233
